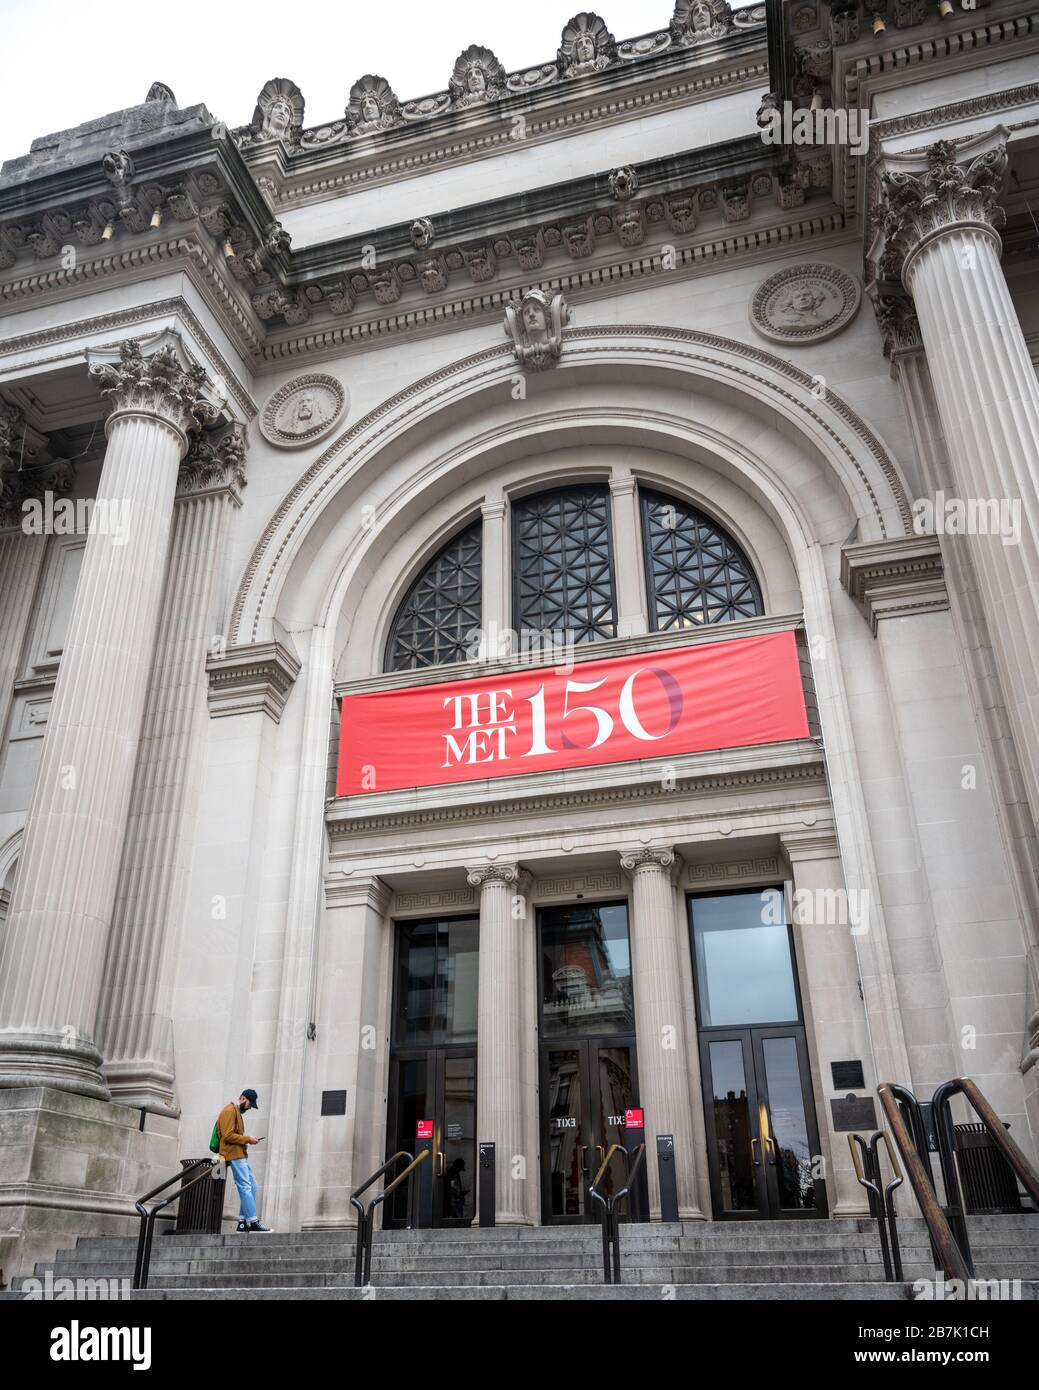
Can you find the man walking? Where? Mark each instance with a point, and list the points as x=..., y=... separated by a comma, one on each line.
x=234, y=1151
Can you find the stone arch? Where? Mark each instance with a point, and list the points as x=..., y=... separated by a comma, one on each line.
x=453, y=424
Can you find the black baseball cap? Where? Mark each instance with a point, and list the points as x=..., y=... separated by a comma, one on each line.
x=251, y=1098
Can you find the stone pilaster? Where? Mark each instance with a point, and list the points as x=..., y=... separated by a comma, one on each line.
x=663, y=1048
x=135, y=1026
x=939, y=238
x=499, y=1059
x=54, y=946
x=496, y=595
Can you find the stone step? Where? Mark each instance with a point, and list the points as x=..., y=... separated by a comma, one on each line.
x=600, y=1293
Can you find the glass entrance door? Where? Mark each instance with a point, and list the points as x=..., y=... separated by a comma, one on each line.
x=762, y=1138
x=588, y=1064
x=585, y=1087
x=433, y=1061
x=437, y=1085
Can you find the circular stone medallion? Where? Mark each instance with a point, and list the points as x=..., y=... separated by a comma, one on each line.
x=805, y=303
x=302, y=411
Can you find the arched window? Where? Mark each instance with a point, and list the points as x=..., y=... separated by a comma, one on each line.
x=563, y=564
x=441, y=608
x=695, y=573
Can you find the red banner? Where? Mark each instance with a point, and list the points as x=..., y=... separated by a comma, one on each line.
x=659, y=704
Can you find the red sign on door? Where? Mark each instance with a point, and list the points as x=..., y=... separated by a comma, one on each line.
x=424, y=1129
x=633, y=1119
x=724, y=694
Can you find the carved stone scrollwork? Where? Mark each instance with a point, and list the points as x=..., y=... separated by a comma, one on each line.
x=373, y=106
x=844, y=22
x=494, y=873
x=696, y=21
x=215, y=462
x=652, y=858
x=946, y=195
x=536, y=329
x=586, y=46
x=23, y=475
x=896, y=318
x=158, y=384
x=158, y=91
x=478, y=76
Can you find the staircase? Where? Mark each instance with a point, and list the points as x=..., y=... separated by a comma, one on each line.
x=824, y=1260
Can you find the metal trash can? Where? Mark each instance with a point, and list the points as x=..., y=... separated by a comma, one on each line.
x=989, y=1184
x=201, y=1208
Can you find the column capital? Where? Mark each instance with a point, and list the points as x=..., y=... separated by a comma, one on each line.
x=362, y=891
x=511, y=875
x=163, y=384
x=215, y=463
x=931, y=194
x=896, y=318
x=663, y=858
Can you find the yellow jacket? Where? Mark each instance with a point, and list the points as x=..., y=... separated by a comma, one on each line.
x=231, y=1132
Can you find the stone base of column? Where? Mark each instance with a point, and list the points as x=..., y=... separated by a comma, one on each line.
x=51, y=1059
x=72, y=1166
x=143, y=1083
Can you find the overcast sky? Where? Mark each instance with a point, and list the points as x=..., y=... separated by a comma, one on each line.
x=65, y=62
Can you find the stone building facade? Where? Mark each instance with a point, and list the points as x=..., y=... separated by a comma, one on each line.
x=298, y=422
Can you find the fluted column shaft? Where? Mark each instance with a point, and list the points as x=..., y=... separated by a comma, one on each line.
x=53, y=948
x=135, y=1025
x=941, y=240
x=663, y=1053
x=499, y=1059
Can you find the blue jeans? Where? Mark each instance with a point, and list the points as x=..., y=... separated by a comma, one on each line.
x=245, y=1181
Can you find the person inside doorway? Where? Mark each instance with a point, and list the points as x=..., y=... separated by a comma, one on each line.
x=234, y=1150
x=457, y=1188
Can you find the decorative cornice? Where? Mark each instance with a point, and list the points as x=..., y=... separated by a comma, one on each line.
x=251, y=679
x=344, y=827
x=895, y=579
x=164, y=384
x=129, y=318
x=215, y=464
x=945, y=197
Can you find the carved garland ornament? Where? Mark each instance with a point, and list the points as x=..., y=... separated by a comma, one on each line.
x=805, y=303
x=303, y=411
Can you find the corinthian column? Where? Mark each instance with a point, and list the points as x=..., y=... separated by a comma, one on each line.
x=54, y=946
x=663, y=1053
x=135, y=1025
x=940, y=239
x=499, y=1032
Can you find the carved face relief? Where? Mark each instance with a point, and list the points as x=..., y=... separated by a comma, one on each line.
x=476, y=81
x=370, y=108
x=584, y=48
x=279, y=118
x=302, y=411
x=534, y=320
x=805, y=303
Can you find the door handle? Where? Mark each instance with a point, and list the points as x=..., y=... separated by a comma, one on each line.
x=773, y=1152
x=754, y=1153
x=441, y=1163
x=582, y=1157
x=602, y=1154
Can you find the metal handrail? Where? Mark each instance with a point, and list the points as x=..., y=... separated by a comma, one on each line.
x=948, y=1256
x=611, y=1268
x=366, y=1215
x=882, y=1205
x=143, y=1259
x=945, y=1130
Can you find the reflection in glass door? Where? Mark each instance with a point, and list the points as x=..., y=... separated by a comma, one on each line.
x=763, y=1141
x=433, y=1061
x=588, y=1066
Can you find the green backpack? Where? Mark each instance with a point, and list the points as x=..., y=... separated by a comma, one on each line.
x=214, y=1141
